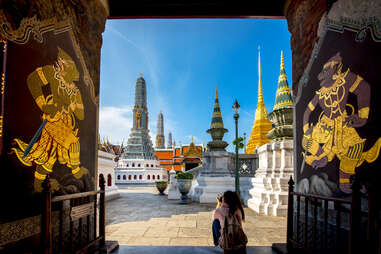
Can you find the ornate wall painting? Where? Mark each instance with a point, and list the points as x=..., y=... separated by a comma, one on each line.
x=336, y=128
x=49, y=115
x=3, y=59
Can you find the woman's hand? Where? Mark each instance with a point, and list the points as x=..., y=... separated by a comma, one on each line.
x=218, y=203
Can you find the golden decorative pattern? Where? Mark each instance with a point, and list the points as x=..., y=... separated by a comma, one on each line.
x=1, y=126
x=311, y=106
x=305, y=127
x=2, y=83
x=37, y=28
x=355, y=84
x=331, y=135
x=5, y=45
x=364, y=112
x=39, y=176
x=41, y=75
x=75, y=171
x=330, y=64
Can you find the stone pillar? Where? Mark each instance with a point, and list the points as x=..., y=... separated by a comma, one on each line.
x=173, y=192
x=269, y=192
x=215, y=176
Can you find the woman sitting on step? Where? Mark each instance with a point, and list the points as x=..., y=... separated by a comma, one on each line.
x=229, y=206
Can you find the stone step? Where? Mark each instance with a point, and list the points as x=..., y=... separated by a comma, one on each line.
x=185, y=250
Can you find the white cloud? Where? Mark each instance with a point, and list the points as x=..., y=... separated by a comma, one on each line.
x=115, y=123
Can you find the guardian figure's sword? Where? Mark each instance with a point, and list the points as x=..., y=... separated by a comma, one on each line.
x=34, y=139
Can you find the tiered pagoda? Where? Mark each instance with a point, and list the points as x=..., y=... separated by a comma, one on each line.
x=139, y=145
x=138, y=164
x=262, y=125
x=283, y=108
x=217, y=130
x=160, y=139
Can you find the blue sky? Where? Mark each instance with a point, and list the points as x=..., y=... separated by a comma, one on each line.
x=182, y=62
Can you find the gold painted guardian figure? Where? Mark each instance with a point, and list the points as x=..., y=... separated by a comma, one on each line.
x=334, y=134
x=59, y=139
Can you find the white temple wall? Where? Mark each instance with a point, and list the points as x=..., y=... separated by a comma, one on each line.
x=106, y=165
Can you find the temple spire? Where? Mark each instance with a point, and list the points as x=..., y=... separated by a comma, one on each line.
x=283, y=98
x=260, y=92
x=262, y=125
x=217, y=117
x=160, y=139
x=217, y=129
x=169, y=141
x=283, y=108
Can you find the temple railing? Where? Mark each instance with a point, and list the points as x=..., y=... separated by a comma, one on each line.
x=247, y=163
x=83, y=218
x=319, y=224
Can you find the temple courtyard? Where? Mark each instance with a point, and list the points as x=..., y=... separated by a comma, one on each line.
x=142, y=221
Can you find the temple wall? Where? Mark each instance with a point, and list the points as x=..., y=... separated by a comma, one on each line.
x=303, y=17
x=351, y=31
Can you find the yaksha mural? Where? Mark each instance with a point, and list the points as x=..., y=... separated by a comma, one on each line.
x=57, y=139
x=334, y=134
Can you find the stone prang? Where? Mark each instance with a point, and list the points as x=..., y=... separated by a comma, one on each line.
x=139, y=145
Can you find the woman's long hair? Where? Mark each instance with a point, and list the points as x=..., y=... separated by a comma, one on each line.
x=234, y=202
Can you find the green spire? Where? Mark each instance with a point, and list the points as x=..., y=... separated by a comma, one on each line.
x=217, y=117
x=283, y=97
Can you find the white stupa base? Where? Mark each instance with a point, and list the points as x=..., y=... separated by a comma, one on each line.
x=209, y=187
x=269, y=192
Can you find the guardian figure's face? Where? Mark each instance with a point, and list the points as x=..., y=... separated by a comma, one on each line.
x=326, y=74
x=70, y=71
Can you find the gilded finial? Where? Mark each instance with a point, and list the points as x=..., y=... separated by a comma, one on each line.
x=141, y=74
x=281, y=60
x=216, y=92
x=192, y=139
x=260, y=93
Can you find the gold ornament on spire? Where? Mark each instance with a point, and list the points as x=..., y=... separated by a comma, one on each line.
x=262, y=125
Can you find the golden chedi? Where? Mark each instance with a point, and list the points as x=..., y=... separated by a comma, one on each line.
x=262, y=125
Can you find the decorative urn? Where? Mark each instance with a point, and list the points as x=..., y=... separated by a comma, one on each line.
x=184, y=183
x=161, y=186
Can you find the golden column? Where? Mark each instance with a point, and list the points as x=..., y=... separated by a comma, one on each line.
x=262, y=125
